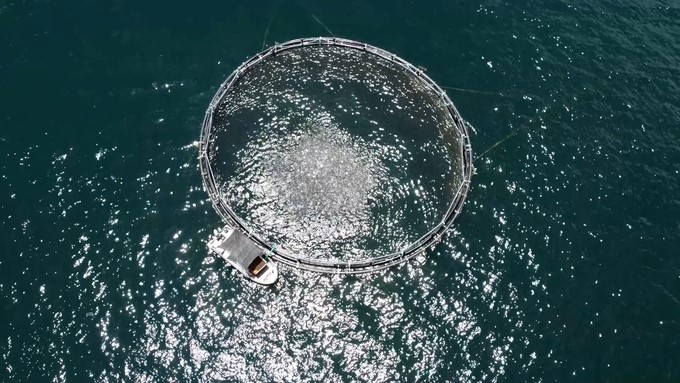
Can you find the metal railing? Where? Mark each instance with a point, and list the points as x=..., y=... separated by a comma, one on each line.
x=418, y=247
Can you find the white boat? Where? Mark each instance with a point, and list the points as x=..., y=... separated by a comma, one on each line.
x=244, y=255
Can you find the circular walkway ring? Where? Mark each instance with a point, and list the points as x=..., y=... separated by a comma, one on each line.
x=368, y=265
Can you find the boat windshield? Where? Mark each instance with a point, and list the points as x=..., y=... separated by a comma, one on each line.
x=258, y=266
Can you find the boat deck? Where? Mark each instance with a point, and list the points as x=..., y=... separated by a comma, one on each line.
x=244, y=255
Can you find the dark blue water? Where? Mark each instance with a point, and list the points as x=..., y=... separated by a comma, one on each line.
x=564, y=265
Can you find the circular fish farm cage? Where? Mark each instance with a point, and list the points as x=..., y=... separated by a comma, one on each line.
x=343, y=175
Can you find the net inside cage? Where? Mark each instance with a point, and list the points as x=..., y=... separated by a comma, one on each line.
x=335, y=153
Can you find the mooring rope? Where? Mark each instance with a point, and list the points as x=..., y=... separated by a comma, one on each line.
x=266, y=31
x=496, y=144
x=473, y=91
x=322, y=24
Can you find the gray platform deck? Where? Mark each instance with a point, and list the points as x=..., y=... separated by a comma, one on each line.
x=240, y=249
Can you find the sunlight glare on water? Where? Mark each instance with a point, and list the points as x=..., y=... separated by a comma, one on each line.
x=563, y=266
